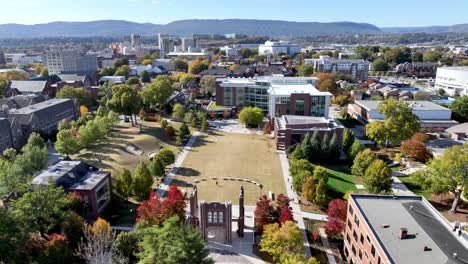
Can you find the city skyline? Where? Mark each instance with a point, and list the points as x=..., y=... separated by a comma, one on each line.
x=163, y=12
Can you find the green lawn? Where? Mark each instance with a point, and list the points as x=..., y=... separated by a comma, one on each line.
x=415, y=187
x=341, y=181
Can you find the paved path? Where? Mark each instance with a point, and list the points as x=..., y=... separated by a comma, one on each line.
x=180, y=159
x=400, y=188
x=313, y=216
x=297, y=212
x=326, y=245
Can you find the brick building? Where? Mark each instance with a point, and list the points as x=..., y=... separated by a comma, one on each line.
x=400, y=229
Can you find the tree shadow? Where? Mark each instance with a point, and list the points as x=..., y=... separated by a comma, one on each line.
x=187, y=172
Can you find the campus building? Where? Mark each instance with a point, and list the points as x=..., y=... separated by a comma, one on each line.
x=453, y=80
x=385, y=229
x=358, y=69
x=70, y=61
x=276, y=96
x=291, y=129
x=92, y=185
x=432, y=117
x=277, y=47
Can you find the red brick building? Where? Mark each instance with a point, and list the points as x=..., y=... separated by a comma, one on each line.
x=400, y=229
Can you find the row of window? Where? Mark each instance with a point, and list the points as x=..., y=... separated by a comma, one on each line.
x=215, y=217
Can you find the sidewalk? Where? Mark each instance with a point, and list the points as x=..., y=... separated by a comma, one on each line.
x=180, y=159
x=297, y=212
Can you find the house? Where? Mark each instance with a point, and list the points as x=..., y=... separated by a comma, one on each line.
x=192, y=87
x=44, y=117
x=290, y=129
x=93, y=185
x=20, y=101
x=389, y=229
x=74, y=80
x=388, y=92
x=432, y=117
x=30, y=87
x=458, y=132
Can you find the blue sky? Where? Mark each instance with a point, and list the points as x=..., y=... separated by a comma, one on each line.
x=382, y=13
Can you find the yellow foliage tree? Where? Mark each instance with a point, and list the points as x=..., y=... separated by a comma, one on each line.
x=83, y=110
x=277, y=240
x=101, y=228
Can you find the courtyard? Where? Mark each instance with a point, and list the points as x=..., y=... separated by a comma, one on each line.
x=246, y=159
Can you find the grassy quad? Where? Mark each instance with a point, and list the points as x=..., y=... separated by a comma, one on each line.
x=242, y=156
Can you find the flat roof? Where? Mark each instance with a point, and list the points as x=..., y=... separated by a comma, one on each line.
x=89, y=181
x=415, y=105
x=296, y=120
x=287, y=89
x=463, y=69
x=425, y=227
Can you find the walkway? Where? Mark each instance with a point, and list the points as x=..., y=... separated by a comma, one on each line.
x=297, y=212
x=326, y=245
x=400, y=188
x=180, y=159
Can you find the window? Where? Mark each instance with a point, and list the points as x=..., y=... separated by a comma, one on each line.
x=215, y=217
x=362, y=239
x=346, y=251
x=210, y=217
x=356, y=220
x=300, y=107
x=353, y=250
x=351, y=210
x=347, y=238
x=378, y=260
x=368, y=239
x=372, y=250
x=360, y=254
x=350, y=225
x=220, y=217
x=355, y=236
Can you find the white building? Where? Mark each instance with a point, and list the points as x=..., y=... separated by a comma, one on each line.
x=358, y=69
x=274, y=47
x=452, y=80
x=70, y=61
x=22, y=58
x=230, y=51
x=136, y=41
x=188, y=44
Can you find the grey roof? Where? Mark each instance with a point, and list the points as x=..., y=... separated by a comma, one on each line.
x=415, y=105
x=72, y=77
x=41, y=106
x=299, y=120
x=29, y=86
x=459, y=129
x=425, y=228
x=20, y=101
x=4, y=124
x=71, y=175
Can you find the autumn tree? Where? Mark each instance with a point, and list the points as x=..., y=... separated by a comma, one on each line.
x=378, y=177
x=150, y=212
x=97, y=245
x=337, y=210
x=286, y=215
x=263, y=213
x=415, y=150
x=208, y=84
x=174, y=204
x=308, y=189
x=197, y=66
x=326, y=83
x=421, y=137
x=276, y=240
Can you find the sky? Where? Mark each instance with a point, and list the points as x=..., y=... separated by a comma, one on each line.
x=382, y=13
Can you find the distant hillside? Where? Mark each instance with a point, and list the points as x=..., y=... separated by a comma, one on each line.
x=115, y=28
x=460, y=28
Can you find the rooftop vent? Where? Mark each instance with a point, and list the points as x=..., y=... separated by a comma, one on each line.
x=403, y=233
x=426, y=248
x=385, y=225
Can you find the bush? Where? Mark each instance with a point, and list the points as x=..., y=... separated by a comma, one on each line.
x=170, y=131
x=163, y=123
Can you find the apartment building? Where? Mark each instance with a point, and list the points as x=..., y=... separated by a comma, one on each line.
x=358, y=69
x=385, y=229
x=276, y=96
x=93, y=185
x=70, y=61
x=453, y=80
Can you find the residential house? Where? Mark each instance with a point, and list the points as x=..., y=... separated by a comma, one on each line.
x=30, y=87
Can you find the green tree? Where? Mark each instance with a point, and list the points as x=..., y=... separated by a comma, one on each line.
x=348, y=139
x=178, y=112
x=157, y=167
x=325, y=148
x=204, y=125
x=41, y=210
x=124, y=70
x=172, y=244
x=449, y=173
x=12, y=238
x=362, y=161
x=300, y=165
x=277, y=240
x=186, y=78
x=158, y=92
x=143, y=181
x=355, y=149
x=251, y=116
x=400, y=123
x=298, y=154
x=124, y=184
x=432, y=56
x=334, y=148
x=321, y=193
x=133, y=81
x=305, y=70
x=197, y=66
x=166, y=156
x=460, y=108
x=72, y=228
x=44, y=72
x=83, y=96
x=125, y=247
x=208, y=84
x=145, y=77
x=125, y=100
x=379, y=65
x=66, y=143
x=378, y=177
x=320, y=173
x=184, y=131
x=180, y=65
